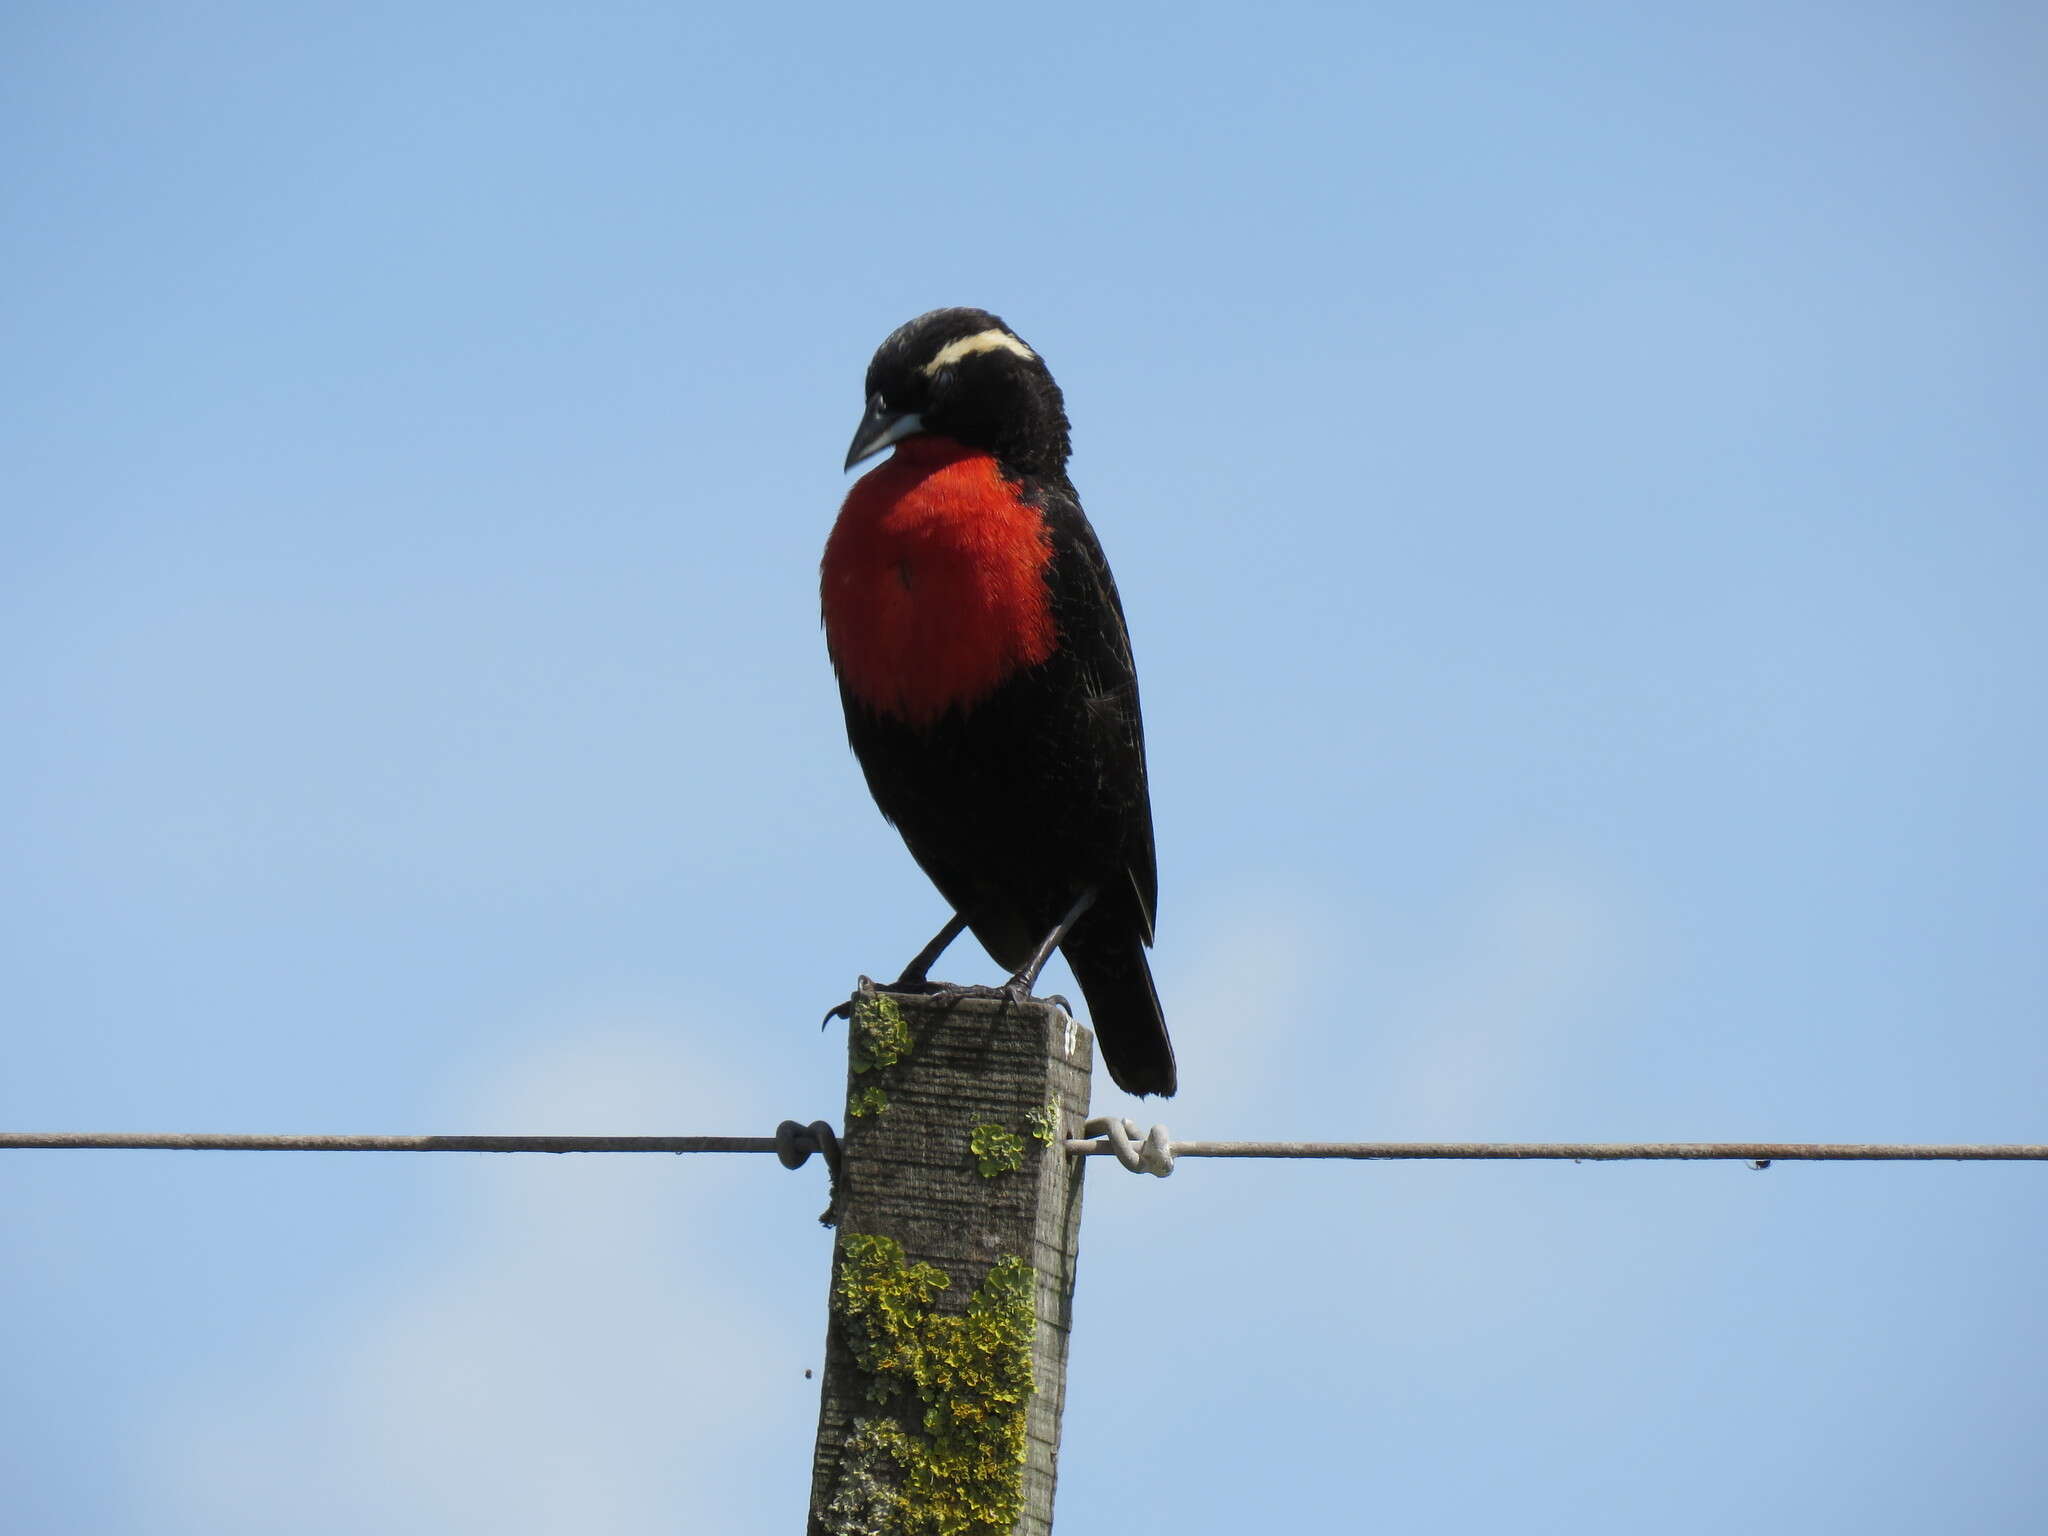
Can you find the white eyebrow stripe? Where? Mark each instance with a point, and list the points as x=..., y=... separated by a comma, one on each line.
x=981, y=341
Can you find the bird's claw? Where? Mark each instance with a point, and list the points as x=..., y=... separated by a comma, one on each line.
x=1011, y=991
x=864, y=988
x=941, y=992
x=902, y=986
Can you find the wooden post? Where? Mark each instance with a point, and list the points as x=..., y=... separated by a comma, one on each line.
x=959, y=1216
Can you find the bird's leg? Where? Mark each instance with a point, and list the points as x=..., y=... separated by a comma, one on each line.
x=1018, y=988
x=913, y=977
x=1020, y=985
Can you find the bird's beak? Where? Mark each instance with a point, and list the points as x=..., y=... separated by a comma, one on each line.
x=881, y=426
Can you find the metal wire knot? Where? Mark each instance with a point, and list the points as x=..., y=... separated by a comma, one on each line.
x=795, y=1143
x=1154, y=1155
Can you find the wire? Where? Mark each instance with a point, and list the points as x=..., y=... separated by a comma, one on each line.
x=1103, y=1139
x=1606, y=1151
x=178, y=1141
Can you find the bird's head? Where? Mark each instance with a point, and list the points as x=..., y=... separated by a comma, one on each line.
x=963, y=374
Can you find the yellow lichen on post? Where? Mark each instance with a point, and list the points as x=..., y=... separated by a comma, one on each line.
x=946, y=1456
x=1045, y=1122
x=879, y=1037
x=996, y=1150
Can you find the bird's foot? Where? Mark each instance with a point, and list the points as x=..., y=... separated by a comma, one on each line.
x=902, y=986
x=1015, y=990
x=956, y=992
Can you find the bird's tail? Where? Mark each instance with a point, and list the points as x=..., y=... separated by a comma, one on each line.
x=1123, y=1005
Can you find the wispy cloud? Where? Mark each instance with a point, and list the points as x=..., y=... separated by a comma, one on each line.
x=1240, y=1005
x=1494, y=1020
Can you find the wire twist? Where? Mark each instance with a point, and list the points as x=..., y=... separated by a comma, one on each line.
x=1154, y=1155
x=795, y=1143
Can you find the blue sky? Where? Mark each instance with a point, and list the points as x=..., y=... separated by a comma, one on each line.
x=1575, y=477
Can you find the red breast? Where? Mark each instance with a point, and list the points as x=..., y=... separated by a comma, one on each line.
x=935, y=582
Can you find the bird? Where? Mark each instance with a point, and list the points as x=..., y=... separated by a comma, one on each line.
x=985, y=669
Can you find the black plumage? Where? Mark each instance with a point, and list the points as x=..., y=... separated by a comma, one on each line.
x=1022, y=798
